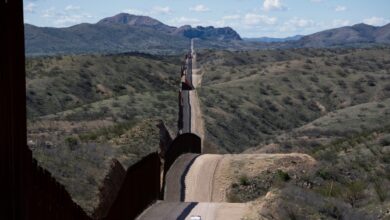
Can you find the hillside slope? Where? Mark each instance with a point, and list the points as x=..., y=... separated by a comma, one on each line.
x=333, y=105
x=249, y=97
x=86, y=111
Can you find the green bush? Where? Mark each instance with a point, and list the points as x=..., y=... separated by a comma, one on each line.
x=283, y=176
x=71, y=142
x=244, y=180
x=385, y=141
x=324, y=174
x=354, y=192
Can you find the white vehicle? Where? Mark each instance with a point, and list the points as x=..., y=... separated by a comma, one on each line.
x=195, y=217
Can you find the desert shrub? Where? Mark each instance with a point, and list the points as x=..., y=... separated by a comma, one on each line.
x=354, y=192
x=342, y=84
x=380, y=105
x=308, y=67
x=243, y=180
x=71, y=142
x=216, y=77
x=385, y=141
x=283, y=176
x=328, y=63
x=287, y=100
x=116, y=105
x=247, y=189
x=380, y=191
x=342, y=73
x=324, y=174
x=332, y=211
x=314, y=79
x=330, y=189
x=387, y=87
x=309, y=61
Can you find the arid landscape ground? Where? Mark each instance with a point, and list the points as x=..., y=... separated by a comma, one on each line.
x=328, y=107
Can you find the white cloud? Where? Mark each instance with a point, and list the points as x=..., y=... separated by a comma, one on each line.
x=300, y=22
x=72, y=8
x=231, y=17
x=199, y=8
x=340, y=23
x=376, y=21
x=269, y=5
x=134, y=11
x=65, y=20
x=186, y=21
x=62, y=18
x=161, y=10
x=48, y=13
x=298, y=25
x=30, y=8
x=255, y=19
x=340, y=8
x=317, y=1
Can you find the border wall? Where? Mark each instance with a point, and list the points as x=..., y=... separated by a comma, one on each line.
x=140, y=189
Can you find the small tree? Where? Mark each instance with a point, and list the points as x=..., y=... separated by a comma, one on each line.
x=354, y=192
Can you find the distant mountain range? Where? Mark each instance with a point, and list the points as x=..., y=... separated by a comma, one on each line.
x=347, y=36
x=273, y=40
x=120, y=33
x=129, y=33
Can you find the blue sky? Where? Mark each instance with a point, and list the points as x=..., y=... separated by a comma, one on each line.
x=250, y=18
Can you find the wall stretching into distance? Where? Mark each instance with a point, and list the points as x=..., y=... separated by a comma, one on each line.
x=108, y=191
x=13, y=202
x=184, y=143
x=140, y=189
x=29, y=192
x=49, y=199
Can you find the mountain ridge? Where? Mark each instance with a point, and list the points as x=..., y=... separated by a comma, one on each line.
x=356, y=34
x=120, y=33
x=133, y=33
x=274, y=39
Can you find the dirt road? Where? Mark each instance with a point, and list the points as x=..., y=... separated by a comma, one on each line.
x=219, y=211
x=197, y=123
x=163, y=210
x=200, y=178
